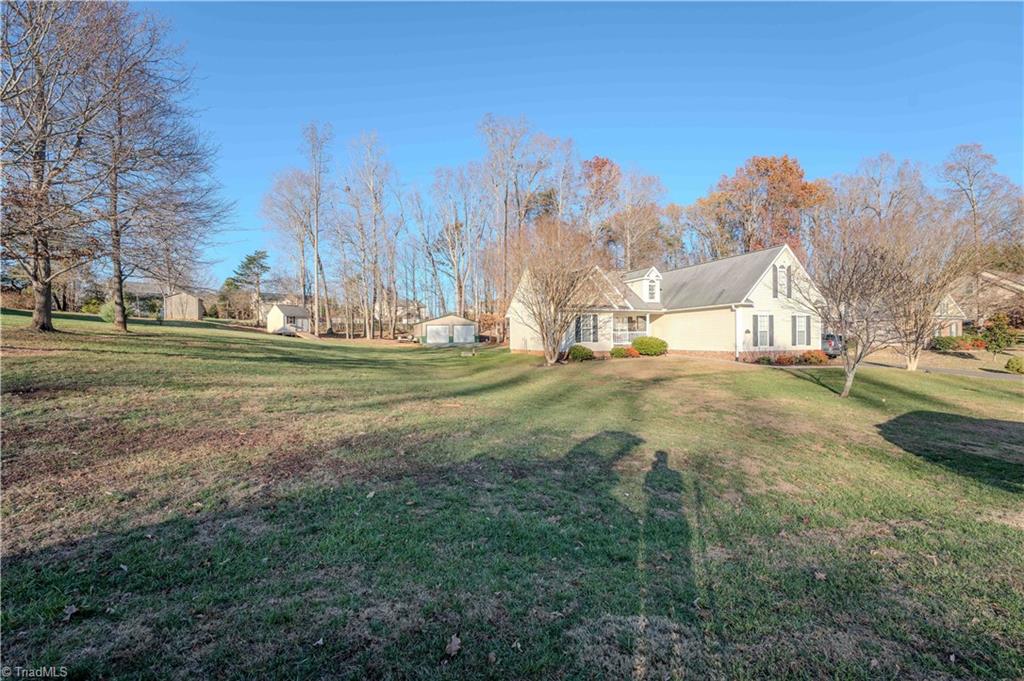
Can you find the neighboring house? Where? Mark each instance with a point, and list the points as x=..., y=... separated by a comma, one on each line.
x=287, y=319
x=447, y=330
x=949, y=318
x=183, y=306
x=990, y=293
x=407, y=312
x=743, y=303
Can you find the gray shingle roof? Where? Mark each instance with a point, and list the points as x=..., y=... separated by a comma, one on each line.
x=292, y=310
x=719, y=282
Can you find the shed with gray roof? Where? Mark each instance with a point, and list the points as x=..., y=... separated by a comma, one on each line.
x=287, y=320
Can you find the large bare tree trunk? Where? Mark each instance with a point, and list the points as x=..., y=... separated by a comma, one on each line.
x=327, y=298
x=120, y=315
x=42, y=290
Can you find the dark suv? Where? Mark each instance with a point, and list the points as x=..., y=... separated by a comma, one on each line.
x=832, y=345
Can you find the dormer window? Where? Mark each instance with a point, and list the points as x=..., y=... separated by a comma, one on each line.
x=652, y=290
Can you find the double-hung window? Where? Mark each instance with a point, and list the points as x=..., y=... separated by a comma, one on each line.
x=586, y=328
x=783, y=283
x=763, y=330
x=802, y=332
x=652, y=290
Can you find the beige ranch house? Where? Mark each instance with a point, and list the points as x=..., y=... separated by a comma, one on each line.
x=743, y=303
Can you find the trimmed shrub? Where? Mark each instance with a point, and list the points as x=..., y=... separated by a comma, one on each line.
x=764, y=359
x=107, y=311
x=649, y=345
x=580, y=353
x=814, y=357
x=978, y=344
x=785, y=360
x=619, y=353
x=1015, y=365
x=945, y=343
x=632, y=352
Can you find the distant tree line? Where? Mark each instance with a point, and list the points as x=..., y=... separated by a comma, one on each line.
x=360, y=245
x=104, y=172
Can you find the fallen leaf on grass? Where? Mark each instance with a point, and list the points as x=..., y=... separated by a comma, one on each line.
x=370, y=494
x=454, y=646
x=68, y=612
x=319, y=641
x=491, y=657
x=820, y=576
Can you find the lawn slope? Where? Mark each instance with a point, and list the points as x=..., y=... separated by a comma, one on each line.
x=192, y=501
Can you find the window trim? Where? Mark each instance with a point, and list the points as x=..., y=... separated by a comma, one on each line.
x=763, y=322
x=579, y=330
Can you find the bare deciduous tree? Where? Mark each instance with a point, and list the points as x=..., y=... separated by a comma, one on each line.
x=634, y=227
x=318, y=139
x=52, y=95
x=989, y=203
x=560, y=282
x=850, y=274
x=931, y=251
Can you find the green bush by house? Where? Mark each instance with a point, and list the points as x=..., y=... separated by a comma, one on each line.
x=579, y=353
x=1015, y=365
x=619, y=352
x=649, y=345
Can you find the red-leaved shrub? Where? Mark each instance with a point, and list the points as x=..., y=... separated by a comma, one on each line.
x=785, y=360
x=814, y=357
x=632, y=352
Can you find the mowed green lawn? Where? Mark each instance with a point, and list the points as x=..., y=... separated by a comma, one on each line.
x=189, y=501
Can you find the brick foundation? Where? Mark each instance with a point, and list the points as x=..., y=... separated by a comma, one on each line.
x=707, y=354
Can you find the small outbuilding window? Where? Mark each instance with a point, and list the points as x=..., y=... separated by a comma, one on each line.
x=290, y=321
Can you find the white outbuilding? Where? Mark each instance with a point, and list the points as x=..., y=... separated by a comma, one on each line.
x=287, y=319
x=448, y=330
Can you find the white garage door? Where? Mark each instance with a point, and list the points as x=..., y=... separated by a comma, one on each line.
x=464, y=333
x=437, y=333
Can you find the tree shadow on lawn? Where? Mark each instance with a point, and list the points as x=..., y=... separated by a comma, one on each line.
x=990, y=451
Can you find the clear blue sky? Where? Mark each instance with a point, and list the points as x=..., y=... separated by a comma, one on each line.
x=684, y=91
